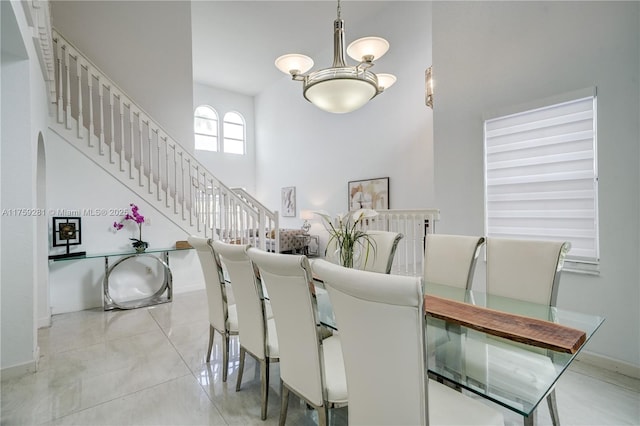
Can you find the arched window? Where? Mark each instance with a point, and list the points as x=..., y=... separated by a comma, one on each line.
x=205, y=127
x=234, y=134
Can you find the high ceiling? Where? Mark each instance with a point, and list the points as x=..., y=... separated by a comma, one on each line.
x=235, y=43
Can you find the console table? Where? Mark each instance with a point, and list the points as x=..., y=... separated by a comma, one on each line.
x=154, y=293
x=307, y=244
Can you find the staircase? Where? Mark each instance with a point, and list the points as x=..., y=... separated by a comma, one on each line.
x=98, y=118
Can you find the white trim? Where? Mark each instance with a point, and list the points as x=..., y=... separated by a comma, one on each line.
x=19, y=370
x=610, y=364
x=540, y=103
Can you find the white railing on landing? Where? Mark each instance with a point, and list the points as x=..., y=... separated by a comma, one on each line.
x=100, y=120
x=271, y=218
x=38, y=14
x=414, y=225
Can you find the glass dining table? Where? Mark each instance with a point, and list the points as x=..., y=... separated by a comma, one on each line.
x=515, y=375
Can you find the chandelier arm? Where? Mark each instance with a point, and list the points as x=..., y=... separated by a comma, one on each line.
x=365, y=65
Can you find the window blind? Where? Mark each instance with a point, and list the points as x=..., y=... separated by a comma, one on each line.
x=541, y=177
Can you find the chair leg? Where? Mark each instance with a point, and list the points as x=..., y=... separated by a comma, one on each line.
x=530, y=420
x=553, y=408
x=225, y=356
x=240, y=368
x=284, y=403
x=264, y=378
x=212, y=332
x=323, y=414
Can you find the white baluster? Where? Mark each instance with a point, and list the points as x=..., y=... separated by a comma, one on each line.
x=67, y=101
x=79, y=83
x=158, y=171
x=90, y=104
x=175, y=181
x=190, y=207
x=141, y=149
x=207, y=207
x=150, y=153
x=182, y=186
x=101, y=115
x=121, y=150
x=59, y=108
x=112, y=120
x=167, y=192
x=132, y=151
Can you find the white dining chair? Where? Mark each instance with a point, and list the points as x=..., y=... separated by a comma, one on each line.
x=526, y=270
x=257, y=332
x=387, y=377
x=311, y=367
x=223, y=316
x=384, y=244
x=375, y=254
x=451, y=259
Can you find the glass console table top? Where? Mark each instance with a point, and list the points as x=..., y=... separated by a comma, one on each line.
x=136, y=279
x=117, y=253
x=514, y=375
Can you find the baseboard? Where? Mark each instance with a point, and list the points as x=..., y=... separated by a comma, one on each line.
x=19, y=370
x=44, y=322
x=610, y=364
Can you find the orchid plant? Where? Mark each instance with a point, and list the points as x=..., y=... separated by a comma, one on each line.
x=345, y=231
x=136, y=217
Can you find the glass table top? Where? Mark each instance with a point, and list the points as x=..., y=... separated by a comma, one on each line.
x=118, y=253
x=514, y=375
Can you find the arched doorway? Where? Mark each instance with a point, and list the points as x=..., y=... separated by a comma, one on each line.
x=43, y=304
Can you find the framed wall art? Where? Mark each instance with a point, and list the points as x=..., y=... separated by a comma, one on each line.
x=66, y=232
x=288, y=201
x=369, y=194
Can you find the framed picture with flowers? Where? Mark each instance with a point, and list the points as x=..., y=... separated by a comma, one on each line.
x=369, y=194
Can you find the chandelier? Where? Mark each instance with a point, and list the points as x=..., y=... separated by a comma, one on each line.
x=341, y=88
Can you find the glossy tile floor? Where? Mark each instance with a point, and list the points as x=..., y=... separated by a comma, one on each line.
x=146, y=367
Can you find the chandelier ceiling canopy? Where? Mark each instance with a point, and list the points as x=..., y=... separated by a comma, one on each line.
x=341, y=88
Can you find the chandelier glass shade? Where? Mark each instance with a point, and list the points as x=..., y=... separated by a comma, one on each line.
x=341, y=88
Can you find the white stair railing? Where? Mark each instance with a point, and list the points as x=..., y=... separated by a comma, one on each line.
x=100, y=120
x=414, y=225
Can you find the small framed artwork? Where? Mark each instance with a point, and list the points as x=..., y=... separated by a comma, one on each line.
x=66, y=231
x=369, y=194
x=288, y=201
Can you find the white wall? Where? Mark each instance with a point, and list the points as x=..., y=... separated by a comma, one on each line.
x=489, y=55
x=77, y=284
x=300, y=145
x=233, y=170
x=23, y=116
x=143, y=46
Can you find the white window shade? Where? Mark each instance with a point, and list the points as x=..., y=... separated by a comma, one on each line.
x=541, y=176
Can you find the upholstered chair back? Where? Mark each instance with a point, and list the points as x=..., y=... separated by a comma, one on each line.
x=525, y=269
x=381, y=256
x=451, y=259
x=288, y=279
x=381, y=323
x=214, y=281
x=248, y=294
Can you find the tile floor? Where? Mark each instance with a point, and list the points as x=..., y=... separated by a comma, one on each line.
x=146, y=367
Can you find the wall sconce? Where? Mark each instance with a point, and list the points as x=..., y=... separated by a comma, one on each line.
x=428, y=87
x=306, y=215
